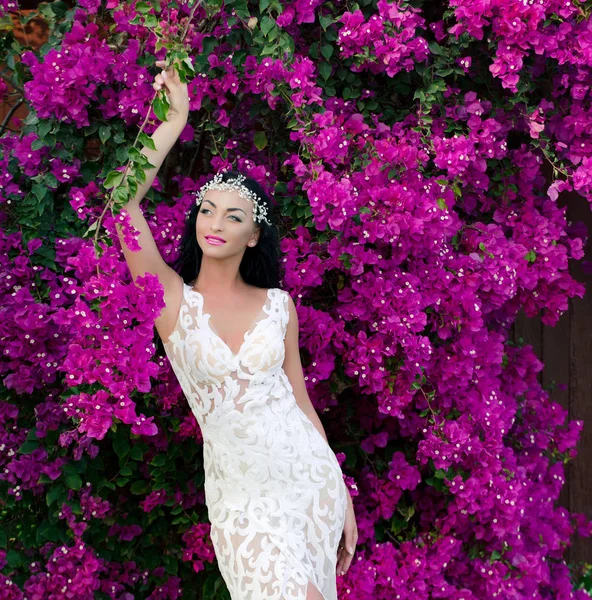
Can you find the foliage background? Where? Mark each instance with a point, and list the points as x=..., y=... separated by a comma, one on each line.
x=404, y=143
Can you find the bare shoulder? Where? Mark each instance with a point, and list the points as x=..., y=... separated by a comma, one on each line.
x=287, y=295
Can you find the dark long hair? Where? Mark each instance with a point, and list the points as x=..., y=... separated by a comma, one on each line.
x=260, y=265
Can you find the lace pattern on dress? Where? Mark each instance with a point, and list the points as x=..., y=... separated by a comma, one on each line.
x=274, y=489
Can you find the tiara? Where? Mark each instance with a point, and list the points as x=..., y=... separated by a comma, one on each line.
x=236, y=184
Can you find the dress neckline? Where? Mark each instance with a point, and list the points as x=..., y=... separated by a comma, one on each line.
x=248, y=332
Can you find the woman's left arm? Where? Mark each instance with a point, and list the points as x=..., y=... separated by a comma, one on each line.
x=293, y=369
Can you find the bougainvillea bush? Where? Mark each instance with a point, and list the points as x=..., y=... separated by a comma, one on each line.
x=416, y=152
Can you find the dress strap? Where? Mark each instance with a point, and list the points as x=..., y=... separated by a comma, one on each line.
x=282, y=306
x=196, y=299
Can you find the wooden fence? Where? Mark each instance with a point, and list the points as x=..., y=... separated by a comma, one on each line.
x=566, y=351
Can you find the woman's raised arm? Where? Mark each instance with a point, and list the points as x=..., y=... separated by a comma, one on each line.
x=149, y=259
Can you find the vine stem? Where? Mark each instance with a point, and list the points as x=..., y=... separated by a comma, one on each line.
x=189, y=19
x=550, y=160
x=11, y=112
x=18, y=88
x=109, y=203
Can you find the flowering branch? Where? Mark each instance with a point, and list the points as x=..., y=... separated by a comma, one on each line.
x=125, y=184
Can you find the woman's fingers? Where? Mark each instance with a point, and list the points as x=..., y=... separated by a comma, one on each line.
x=339, y=561
x=341, y=557
x=347, y=558
x=170, y=75
x=161, y=79
x=348, y=542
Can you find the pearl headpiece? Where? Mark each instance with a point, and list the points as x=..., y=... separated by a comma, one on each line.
x=236, y=184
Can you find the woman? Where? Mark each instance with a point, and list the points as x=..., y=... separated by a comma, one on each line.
x=282, y=519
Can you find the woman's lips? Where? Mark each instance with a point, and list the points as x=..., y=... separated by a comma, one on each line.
x=214, y=241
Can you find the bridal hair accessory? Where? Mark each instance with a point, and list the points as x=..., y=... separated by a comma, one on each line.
x=236, y=184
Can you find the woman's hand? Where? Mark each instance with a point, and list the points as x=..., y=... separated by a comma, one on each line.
x=349, y=539
x=176, y=91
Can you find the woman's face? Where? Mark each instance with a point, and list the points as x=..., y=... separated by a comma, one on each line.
x=226, y=215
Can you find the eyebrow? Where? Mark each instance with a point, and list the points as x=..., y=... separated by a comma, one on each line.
x=228, y=209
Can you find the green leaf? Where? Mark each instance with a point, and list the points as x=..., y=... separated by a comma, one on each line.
x=161, y=107
x=143, y=7
x=139, y=488
x=268, y=49
x=121, y=444
x=444, y=72
x=91, y=228
x=325, y=70
x=113, y=179
x=159, y=460
x=132, y=185
x=325, y=21
x=121, y=194
x=28, y=447
x=122, y=153
x=14, y=559
x=327, y=51
x=136, y=155
x=266, y=24
x=50, y=180
x=104, y=133
x=189, y=63
x=287, y=43
x=46, y=10
x=140, y=177
x=39, y=190
x=46, y=532
x=260, y=140
x=136, y=453
x=171, y=564
x=74, y=482
x=55, y=493
x=435, y=48
x=182, y=519
x=150, y=21
x=44, y=128
x=241, y=8
x=419, y=94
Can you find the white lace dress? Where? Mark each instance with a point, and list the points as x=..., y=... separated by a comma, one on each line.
x=274, y=490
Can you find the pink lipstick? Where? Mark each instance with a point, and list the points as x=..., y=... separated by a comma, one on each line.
x=215, y=241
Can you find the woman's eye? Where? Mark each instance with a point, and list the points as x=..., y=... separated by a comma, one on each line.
x=203, y=210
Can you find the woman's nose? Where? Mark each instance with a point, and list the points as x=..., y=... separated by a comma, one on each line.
x=218, y=223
